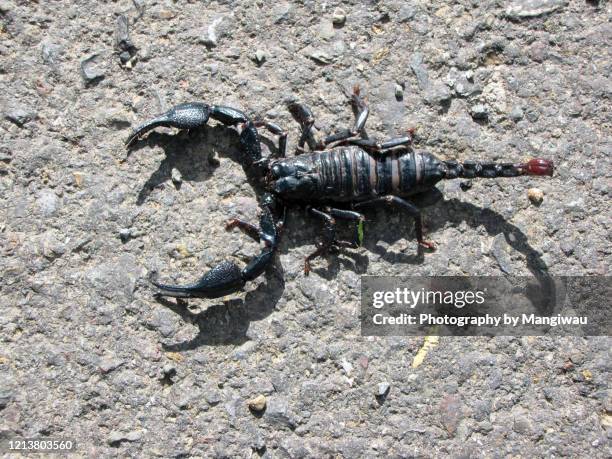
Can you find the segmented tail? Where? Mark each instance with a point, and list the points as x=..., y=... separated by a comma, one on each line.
x=472, y=169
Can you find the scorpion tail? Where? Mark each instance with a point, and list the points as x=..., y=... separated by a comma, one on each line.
x=538, y=166
x=472, y=169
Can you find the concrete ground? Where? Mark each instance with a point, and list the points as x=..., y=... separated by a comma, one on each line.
x=88, y=353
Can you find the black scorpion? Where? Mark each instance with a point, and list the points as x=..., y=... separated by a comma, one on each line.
x=340, y=175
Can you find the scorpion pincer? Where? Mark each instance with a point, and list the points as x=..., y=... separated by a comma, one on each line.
x=339, y=176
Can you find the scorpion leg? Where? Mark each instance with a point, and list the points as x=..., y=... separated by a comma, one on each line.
x=410, y=208
x=247, y=228
x=329, y=237
x=303, y=115
x=362, y=110
x=329, y=233
x=396, y=142
x=276, y=130
x=372, y=145
x=227, y=277
x=343, y=214
x=360, y=120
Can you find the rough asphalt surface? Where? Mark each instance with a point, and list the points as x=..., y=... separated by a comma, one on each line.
x=87, y=351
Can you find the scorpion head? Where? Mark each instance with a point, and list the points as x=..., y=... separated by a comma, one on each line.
x=291, y=179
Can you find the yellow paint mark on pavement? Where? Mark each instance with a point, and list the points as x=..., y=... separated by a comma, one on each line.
x=430, y=342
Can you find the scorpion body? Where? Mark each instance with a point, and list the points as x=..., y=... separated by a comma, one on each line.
x=351, y=174
x=341, y=174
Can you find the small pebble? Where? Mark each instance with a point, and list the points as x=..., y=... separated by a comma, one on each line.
x=219, y=27
x=438, y=94
x=259, y=57
x=532, y=114
x=399, y=92
x=6, y=6
x=516, y=114
x=536, y=196
x=116, y=438
x=567, y=247
x=176, y=176
x=212, y=68
x=479, y=112
x=320, y=57
x=125, y=234
x=108, y=365
x=521, y=9
x=419, y=70
x=213, y=398
x=451, y=413
x=233, y=53
x=20, y=115
x=339, y=18
x=407, y=12
x=90, y=71
x=47, y=202
x=166, y=14
x=169, y=370
x=50, y=53
x=140, y=7
x=277, y=413
x=213, y=159
x=347, y=367
x=383, y=389
x=257, y=404
x=124, y=57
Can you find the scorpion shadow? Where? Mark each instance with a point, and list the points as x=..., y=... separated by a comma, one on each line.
x=191, y=153
x=453, y=211
x=228, y=322
x=457, y=211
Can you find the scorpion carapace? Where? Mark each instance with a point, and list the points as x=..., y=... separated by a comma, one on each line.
x=339, y=176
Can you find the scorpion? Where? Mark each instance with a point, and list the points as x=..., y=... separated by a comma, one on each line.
x=337, y=177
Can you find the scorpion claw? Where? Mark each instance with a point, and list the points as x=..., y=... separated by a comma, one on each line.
x=184, y=116
x=223, y=279
x=144, y=128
